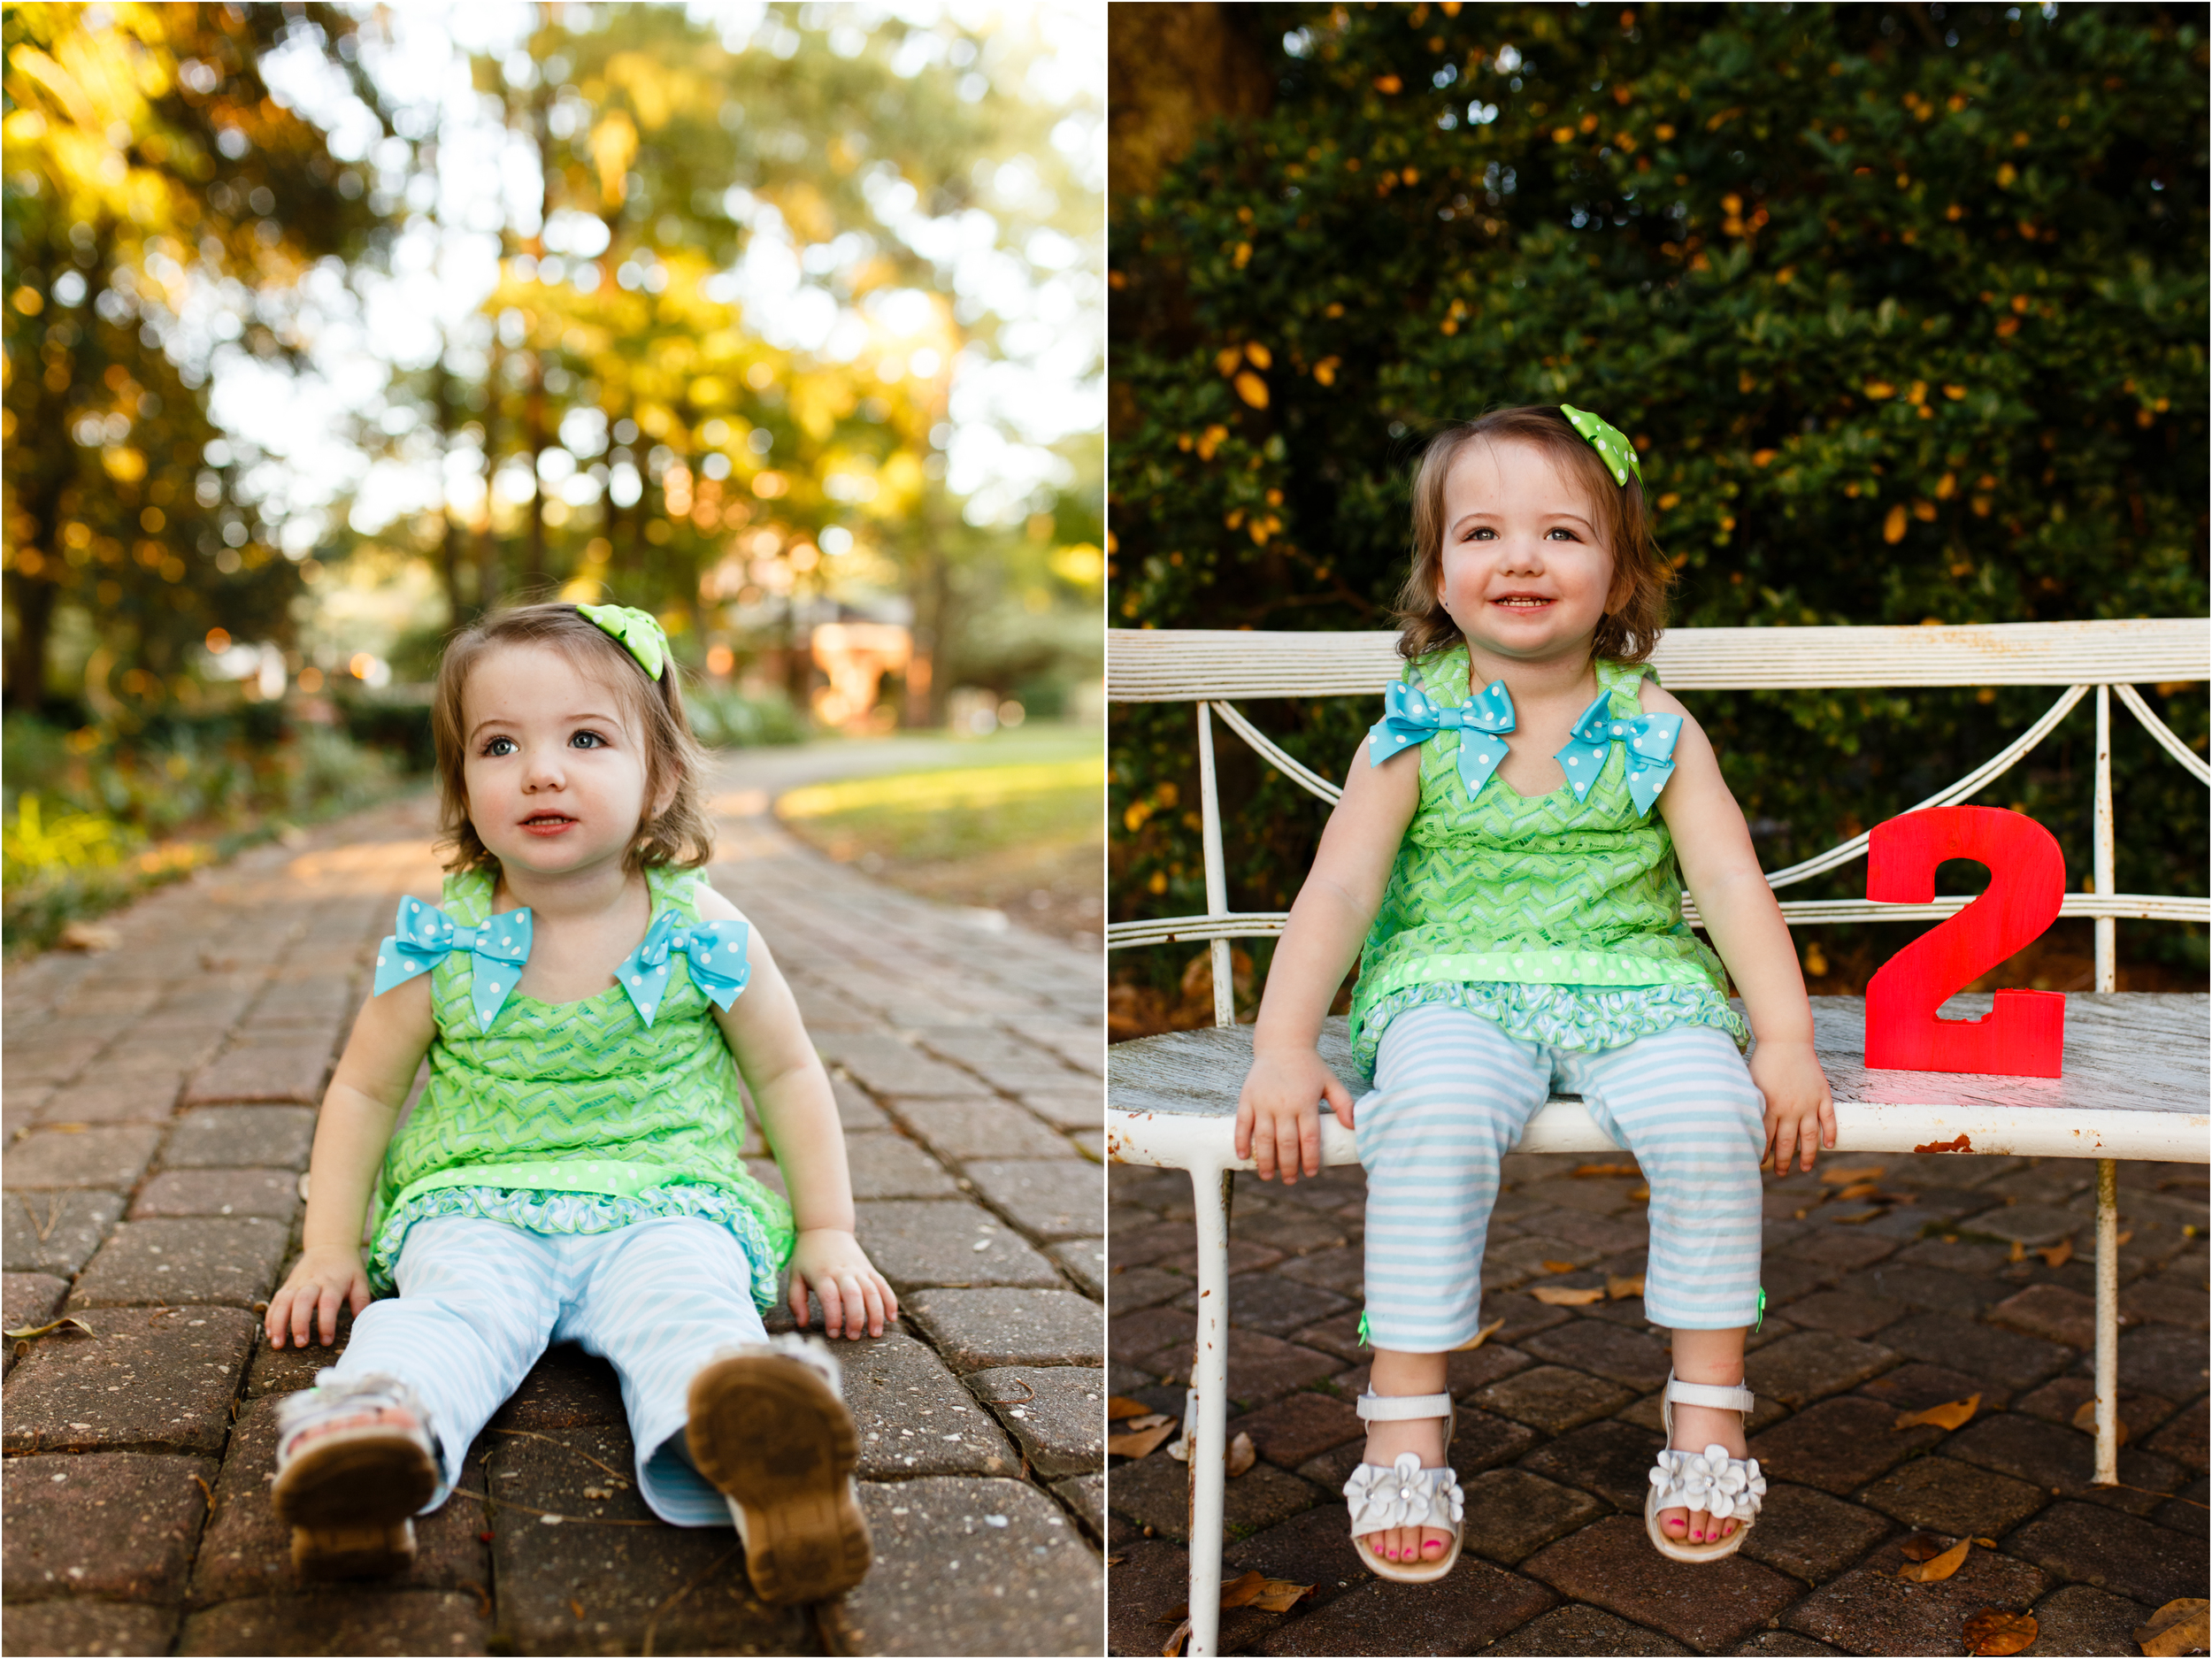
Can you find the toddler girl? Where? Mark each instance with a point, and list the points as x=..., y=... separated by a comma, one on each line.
x=1520, y=905
x=572, y=1171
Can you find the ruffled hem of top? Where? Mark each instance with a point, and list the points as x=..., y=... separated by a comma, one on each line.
x=556, y=1212
x=1580, y=1017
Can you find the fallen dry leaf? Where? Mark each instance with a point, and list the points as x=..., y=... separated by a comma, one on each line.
x=1142, y=1437
x=1241, y=1454
x=1617, y=1288
x=1559, y=1267
x=88, y=936
x=1851, y=1178
x=1561, y=1296
x=2175, y=1628
x=2058, y=1254
x=1481, y=1336
x=1117, y=1407
x=1953, y=1413
x=1923, y=1547
x=1858, y=1220
x=1857, y=1189
x=1584, y=1172
x=1994, y=1632
x=2085, y=1419
x=1172, y=1647
x=1640, y=1195
x=2123, y=1237
x=2019, y=1252
x=66, y=1319
x=1936, y=1567
x=1270, y=1595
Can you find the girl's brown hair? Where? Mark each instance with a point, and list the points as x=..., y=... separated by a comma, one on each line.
x=679, y=836
x=1629, y=628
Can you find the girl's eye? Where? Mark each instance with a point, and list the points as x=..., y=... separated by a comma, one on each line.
x=1560, y=531
x=499, y=745
x=587, y=740
x=1482, y=533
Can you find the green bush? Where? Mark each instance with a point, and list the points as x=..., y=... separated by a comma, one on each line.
x=729, y=719
x=1904, y=309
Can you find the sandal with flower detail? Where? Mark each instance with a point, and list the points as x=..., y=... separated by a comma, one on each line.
x=1727, y=1488
x=1404, y=1493
x=354, y=1463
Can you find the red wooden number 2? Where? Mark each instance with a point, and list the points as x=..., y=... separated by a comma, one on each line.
x=2022, y=1035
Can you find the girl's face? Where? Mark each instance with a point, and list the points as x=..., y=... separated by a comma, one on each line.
x=555, y=769
x=1522, y=570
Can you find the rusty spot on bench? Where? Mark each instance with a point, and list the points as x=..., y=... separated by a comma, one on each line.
x=1960, y=1145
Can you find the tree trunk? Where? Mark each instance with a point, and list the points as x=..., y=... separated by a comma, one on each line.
x=33, y=602
x=450, y=540
x=533, y=439
x=487, y=584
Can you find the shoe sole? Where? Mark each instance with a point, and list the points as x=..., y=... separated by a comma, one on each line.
x=775, y=1439
x=348, y=1499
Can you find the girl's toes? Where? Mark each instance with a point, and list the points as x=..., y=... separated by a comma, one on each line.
x=1432, y=1542
x=1674, y=1523
x=1703, y=1529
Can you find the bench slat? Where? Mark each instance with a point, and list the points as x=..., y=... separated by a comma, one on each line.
x=2136, y=1051
x=1186, y=664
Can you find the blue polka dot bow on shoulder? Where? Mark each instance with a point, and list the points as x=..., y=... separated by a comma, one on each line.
x=1648, y=739
x=1411, y=716
x=715, y=951
x=427, y=935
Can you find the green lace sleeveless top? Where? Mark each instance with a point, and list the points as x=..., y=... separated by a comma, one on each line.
x=578, y=1117
x=1560, y=918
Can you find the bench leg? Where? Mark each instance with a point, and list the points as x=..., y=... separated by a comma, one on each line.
x=2107, y=1472
x=1209, y=1393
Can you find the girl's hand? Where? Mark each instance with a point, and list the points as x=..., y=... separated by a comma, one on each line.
x=1277, y=1125
x=830, y=1261
x=1798, y=1105
x=324, y=1278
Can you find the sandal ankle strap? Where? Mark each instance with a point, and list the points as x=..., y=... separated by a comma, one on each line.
x=1395, y=1407
x=1737, y=1398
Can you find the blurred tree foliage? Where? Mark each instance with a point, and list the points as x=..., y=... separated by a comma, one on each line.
x=1904, y=307
x=608, y=423
x=140, y=140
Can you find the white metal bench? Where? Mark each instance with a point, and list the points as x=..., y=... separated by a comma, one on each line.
x=2136, y=1064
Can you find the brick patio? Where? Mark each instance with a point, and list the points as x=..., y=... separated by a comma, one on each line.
x=160, y=1104
x=1871, y=1312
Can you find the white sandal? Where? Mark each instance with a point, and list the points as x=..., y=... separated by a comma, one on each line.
x=1727, y=1488
x=354, y=1461
x=1404, y=1493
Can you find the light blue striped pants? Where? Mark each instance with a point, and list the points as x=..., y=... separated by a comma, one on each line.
x=478, y=1300
x=1452, y=1094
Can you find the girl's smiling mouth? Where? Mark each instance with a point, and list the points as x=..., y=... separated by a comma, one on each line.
x=547, y=822
x=1523, y=601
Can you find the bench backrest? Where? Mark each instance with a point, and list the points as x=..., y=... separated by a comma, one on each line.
x=1211, y=668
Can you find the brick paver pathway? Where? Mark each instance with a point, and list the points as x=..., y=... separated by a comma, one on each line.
x=1874, y=1310
x=160, y=1104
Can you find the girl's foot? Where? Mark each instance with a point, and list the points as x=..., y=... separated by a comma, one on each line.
x=1696, y=1427
x=1705, y=1491
x=1424, y=1437
x=769, y=1429
x=354, y=1461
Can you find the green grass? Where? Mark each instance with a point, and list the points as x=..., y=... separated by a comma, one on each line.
x=1014, y=824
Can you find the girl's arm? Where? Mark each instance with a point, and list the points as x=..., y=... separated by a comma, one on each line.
x=798, y=1114
x=1739, y=913
x=1276, y=1126
x=390, y=1039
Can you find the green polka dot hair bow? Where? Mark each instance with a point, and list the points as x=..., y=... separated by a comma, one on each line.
x=634, y=631
x=1617, y=453
x=425, y=936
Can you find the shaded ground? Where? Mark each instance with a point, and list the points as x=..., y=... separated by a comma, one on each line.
x=159, y=1109
x=1875, y=1310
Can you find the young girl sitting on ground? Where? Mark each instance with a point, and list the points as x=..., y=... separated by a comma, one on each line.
x=1520, y=905
x=572, y=1171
